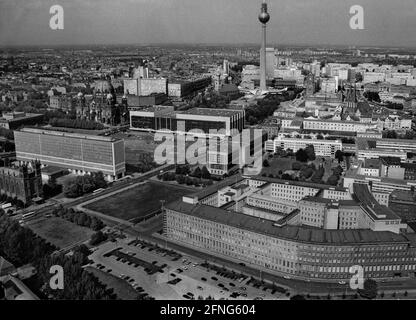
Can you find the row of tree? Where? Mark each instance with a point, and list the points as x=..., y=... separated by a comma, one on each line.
x=78, y=217
x=391, y=134
x=76, y=124
x=78, y=186
x=145, y=163
x=98, y=237
x=197, y=173
x=21, y=246
x=182, y=179
x=305, y=155
x=13, y=200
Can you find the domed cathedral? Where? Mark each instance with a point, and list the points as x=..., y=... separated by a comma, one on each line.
x=102, y=106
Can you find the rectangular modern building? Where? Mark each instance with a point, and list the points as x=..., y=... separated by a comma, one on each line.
x=78, y=153
x=165, y=118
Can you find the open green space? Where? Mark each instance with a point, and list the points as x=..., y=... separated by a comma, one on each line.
x=138, y=201
x=60, y=232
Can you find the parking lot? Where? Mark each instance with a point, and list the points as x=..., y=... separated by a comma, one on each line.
x=166, y=274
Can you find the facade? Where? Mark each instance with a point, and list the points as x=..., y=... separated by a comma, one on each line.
x=270, y=62
x=60, y=102
x=144, y=101
x=323, y=148
x=145, y=86
x=161, y=118
x=179, y=89
x=22, y=182
x=299, y=252
x=375, y=148
x=299, y=229
x=317, y=125
x=78, y=153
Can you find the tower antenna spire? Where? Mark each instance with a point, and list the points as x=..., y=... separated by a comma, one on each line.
x=264, y=17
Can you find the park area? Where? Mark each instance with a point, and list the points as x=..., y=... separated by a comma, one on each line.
x=60, y=232
x=138, y=201
x=289, y=168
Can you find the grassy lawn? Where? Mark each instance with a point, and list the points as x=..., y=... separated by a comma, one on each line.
x=122, y=289
x=277, y=164
x=60, y=232
x=139, y=201
x=285, y=164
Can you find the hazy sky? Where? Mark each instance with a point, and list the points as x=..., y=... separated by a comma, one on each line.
x=387, y=22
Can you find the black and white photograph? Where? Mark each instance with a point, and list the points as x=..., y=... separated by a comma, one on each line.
x=202, y=156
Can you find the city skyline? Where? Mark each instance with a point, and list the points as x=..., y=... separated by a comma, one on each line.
x=101, y=22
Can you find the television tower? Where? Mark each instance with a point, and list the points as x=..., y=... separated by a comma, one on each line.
x=264, y=17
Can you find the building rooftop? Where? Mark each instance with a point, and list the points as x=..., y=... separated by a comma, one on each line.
x=287, y=232
x=370, y=205
x=17, y=116
x=298, y=183
x=69, y=135
x=391, y=161
x=372, y=163
x=212, y=112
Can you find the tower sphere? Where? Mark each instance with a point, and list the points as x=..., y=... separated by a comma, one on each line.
x=264, y=17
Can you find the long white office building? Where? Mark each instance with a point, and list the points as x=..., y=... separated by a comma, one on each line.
x=323, y=148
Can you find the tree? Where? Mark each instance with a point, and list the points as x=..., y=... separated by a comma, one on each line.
x=197, y=173
x=183, y=169
x=96, y=224
x=296, y=166
x=205, y=173
x=370, y=289
x=97, y=238
x=310, y=151
x=307, y=172
x=332, y=180
x=339, y=155
x=317, y=176
x=145, y=163
x=301, y=155
x=390, y=134
x=266, y=163
x=81, y=185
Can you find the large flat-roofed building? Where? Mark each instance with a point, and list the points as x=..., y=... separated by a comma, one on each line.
x=144, y=101
x=317, y=125
x=15, y=120
x=78, y=153
x=145, y=86
x=179, y=89
x=376, y=148
x=298, y=251
x=166, y=118
x=305, y=230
